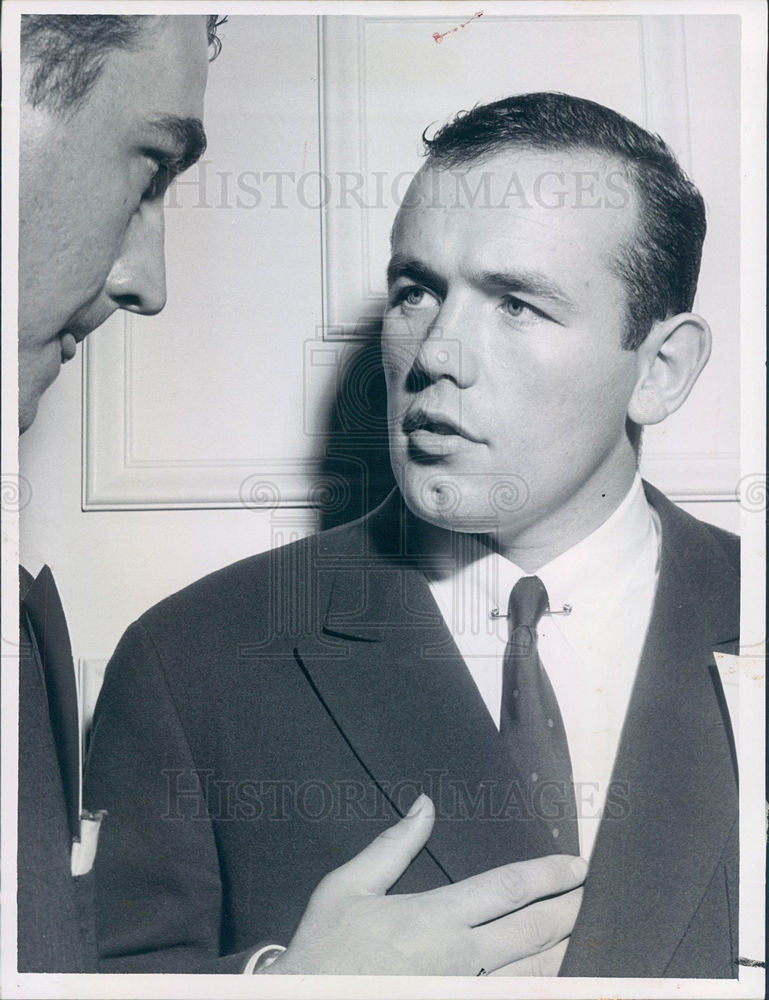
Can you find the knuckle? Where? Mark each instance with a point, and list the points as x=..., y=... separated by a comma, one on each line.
x=537, y=931
x=419, y=919
x=389, y=837
x=553, y=871
x=546, y=963
x=513, y=884
x=414, y=930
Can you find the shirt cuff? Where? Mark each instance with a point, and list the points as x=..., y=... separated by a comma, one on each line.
x=261, y=958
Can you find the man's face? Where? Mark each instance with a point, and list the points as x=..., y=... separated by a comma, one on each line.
x=507, y=383
x=91, y=196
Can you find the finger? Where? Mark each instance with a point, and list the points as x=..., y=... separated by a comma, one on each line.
x=529, y=931
x=386, y=858
x=546, y=963
x=501, y=890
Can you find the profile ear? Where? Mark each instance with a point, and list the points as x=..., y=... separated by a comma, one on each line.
x=669, y=362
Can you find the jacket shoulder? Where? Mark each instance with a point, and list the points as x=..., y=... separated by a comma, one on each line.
x=245, y=587
x=690, y=531
x=707, y=559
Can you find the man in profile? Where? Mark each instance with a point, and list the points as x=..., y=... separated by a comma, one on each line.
x=524, y=630
x=111, y=110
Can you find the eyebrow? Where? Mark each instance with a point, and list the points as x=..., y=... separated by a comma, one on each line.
x=183, y=141
x=529, y=282
x=401, y=266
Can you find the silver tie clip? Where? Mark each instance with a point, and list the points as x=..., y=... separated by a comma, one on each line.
x=495, y=613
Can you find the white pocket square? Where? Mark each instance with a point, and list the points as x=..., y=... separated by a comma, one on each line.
x=84, y=850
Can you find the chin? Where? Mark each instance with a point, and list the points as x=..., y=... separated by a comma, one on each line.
x=33, y=382
x=27, y=414
x=479, y=503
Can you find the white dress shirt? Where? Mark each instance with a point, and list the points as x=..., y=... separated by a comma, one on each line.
x=591, y=655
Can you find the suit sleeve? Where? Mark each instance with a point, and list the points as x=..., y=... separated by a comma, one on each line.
x=157, y=885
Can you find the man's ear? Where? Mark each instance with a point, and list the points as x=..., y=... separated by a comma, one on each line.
x=669, y=362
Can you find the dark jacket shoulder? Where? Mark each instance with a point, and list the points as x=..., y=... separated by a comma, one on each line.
x=706, y=560
x=243, y=587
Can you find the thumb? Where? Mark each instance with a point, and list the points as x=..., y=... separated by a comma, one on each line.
x=387, y=857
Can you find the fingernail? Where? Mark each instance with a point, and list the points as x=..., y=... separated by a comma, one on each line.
x=579, y=867
x=416, y=806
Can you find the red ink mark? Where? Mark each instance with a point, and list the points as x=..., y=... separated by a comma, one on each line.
x=439, y=37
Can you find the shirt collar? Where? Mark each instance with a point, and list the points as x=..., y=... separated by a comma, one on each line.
x=583, y=577
x=587, y=572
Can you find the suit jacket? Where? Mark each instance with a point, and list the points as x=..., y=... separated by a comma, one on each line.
x=259, y=728
x=53, y=908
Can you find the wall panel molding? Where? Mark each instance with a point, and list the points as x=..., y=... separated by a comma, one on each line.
x=117, y=477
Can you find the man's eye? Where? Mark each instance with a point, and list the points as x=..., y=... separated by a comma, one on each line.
x=516, y=308
x=159, y=183
x=414, y=297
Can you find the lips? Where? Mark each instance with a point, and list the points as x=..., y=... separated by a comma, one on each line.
x=434, y=436
x=68, y=346
x=434, y=422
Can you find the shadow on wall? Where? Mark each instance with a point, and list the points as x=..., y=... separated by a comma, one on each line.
x=354, y=473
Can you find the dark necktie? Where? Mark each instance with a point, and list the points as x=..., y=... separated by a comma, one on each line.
x=531, y=721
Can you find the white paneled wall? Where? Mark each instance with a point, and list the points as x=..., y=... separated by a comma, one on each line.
x=223, y=400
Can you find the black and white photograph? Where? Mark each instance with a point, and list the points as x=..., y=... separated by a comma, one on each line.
x=384, y=499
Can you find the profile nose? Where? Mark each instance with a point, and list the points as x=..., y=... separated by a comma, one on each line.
x=137, y=280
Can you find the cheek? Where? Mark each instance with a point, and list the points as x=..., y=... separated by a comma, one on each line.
x=103, y=197
x=565, y=400
x=107, y=224
x=93, y=244
x=83, y=277
x=604, y=386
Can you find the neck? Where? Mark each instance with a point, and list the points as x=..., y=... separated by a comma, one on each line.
x=537, y=544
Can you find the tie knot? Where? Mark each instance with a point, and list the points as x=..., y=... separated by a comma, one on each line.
x=528, y=602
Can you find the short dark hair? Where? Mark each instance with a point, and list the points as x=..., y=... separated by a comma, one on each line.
x=65, y=53
x=661, y=266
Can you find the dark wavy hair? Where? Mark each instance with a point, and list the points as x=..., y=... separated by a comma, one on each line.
x=660, y=266
x=63, y=54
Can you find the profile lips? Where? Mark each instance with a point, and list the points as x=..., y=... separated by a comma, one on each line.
x=68, y=346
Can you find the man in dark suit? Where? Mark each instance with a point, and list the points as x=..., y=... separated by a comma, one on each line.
x=111, y=111
x=522, y=634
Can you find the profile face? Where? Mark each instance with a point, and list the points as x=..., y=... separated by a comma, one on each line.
x=507, y=383
x=92, y=183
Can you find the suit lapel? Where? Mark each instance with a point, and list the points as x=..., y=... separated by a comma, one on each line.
x=391, y=676
x=674, y=775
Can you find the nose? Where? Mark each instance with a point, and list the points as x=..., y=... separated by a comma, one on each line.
x=137, y=280
x=447, y=349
